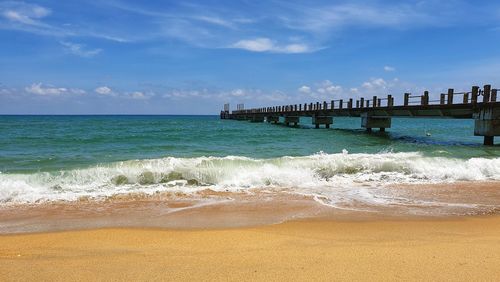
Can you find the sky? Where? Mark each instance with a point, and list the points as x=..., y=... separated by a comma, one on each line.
x=191, y=57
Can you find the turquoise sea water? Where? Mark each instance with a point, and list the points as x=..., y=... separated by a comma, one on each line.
x=48, y=143
x=64, y=157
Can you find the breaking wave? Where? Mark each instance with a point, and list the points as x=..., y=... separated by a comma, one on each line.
x=335, y=177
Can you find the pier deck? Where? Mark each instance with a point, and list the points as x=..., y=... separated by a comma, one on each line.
x=478, y=104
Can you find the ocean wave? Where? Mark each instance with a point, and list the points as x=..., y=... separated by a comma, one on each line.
x=338, y=177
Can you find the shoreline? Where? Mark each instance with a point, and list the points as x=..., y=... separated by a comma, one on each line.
x=210, y=209
x=461, y=249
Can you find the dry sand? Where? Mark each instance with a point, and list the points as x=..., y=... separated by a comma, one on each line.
x=462, y=249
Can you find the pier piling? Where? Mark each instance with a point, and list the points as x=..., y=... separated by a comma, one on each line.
x=273, y=119
x=369, y=121
x=322, y=120
x=487, y=119
x=292, y=119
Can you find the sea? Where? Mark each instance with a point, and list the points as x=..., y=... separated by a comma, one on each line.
x=46, y=159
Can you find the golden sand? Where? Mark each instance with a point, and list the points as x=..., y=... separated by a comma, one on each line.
x=462, y=249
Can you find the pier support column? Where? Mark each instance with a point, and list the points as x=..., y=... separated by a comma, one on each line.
x=318, y=120
x=292, y=119
x=487, y=124
x=489, y=140
x=273, y=119
x=370, y=121
x=224, y=115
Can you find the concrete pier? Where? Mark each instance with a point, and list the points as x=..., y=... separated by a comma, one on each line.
x=378, y=111
x=273, y=119
x=319, y=120
x=369, y=121
x=292, y=119
x=225, y=114
x=487, y=124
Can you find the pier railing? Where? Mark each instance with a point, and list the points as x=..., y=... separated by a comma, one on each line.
x=450, y=98
x=376, y=111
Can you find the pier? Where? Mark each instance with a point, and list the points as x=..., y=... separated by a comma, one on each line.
x=479, y=104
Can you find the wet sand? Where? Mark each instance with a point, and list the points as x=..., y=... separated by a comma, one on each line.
x=256, y=207
x=460, y=249
x=207, y=209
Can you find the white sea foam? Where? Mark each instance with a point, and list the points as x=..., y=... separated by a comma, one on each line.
x=333, y=179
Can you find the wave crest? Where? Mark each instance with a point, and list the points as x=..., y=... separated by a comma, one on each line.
x=318, y=172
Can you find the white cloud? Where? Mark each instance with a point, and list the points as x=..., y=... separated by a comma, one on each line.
x=236, y=95
x=24, y=13
x=326, y=90
x=294, y=49
x=381, y=87
x=139, y=95
x=255, y=45
x=183, y=94
x=40, y=89
x=21, y=16
x=304, y=89
x=327, y=87
x=77, y=91
x=238, y=92
x=389, y=68
x=39, y=12
x=322, y=90
x=79, y=49
x=254, y=95
x=375, y=84
x=263, y=44
x=215, y=20
x=323, y=19
x=105, y=91
x=5, y=91
x=15, y=16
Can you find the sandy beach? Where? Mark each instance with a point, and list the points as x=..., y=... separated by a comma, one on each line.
x=280, y=236
x=460, y=249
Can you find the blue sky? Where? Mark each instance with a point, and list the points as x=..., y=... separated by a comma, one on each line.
x=190, y=57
